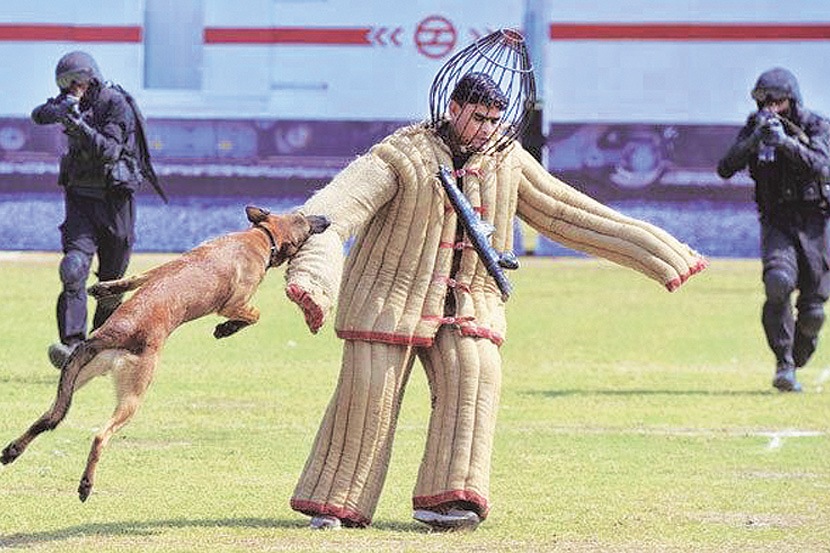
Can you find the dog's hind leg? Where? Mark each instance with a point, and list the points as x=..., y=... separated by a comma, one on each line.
x=132, y=376
x=68, y=383
x=238, y=318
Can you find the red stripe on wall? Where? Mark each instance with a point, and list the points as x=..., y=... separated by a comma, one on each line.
x=689, y=32
x=69, y=33
x=288, y=35
x=361, y=35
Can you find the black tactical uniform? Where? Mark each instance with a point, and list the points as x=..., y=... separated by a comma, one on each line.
x=99, y=172
x=788, y=155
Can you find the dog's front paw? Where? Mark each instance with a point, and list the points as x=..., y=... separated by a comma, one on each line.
x=223, y=330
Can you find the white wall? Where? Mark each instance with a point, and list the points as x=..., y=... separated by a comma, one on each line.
x=27, y=72
x=586, y=80
x=680, y=81
x=384, y=80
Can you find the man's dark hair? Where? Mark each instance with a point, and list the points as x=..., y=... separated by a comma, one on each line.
x=479, y=88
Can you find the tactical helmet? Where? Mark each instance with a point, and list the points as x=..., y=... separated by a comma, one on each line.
x=76, y=67
x=776, y=84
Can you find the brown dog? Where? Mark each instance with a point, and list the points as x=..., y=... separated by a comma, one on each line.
x=219, y=276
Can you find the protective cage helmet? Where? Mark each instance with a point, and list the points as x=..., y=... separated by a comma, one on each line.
x=76, y=67
x=499, y=59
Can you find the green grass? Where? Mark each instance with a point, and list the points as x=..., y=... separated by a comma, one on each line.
x=631, y=420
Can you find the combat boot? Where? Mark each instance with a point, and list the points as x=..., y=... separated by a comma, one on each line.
x=803, y=348
x=785, y=380
x=59, y=353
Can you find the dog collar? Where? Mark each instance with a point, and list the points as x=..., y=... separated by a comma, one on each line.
x=272, y=259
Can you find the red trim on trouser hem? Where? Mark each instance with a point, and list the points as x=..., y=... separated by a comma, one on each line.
x=433, y=501
x=347, y=516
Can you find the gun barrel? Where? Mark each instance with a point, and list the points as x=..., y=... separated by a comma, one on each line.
x=767, y=115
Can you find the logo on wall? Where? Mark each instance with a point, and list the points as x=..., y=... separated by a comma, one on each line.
x=384, y=36
x=435, y=36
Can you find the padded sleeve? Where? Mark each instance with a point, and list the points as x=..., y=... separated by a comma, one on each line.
x=577, y=221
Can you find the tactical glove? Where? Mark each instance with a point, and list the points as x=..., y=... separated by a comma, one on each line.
x=773, y=133
x=73, y=123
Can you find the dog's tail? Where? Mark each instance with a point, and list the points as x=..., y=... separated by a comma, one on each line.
x=107, y=288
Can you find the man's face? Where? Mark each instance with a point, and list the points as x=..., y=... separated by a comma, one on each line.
x=474, y=124
x=78, y=89
x=780, y=106
x=775, y=100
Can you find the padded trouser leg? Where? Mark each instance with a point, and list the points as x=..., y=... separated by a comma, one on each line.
x=779, y=327
x=105, y=307
x=464, y=375
x=71, y=307
x=780, y=274
x=347, y=466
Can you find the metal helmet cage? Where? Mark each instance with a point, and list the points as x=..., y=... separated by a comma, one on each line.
x=503, y=57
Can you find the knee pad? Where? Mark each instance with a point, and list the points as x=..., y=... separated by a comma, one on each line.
x=810, y=320
x=778, y=285
x=74, y=269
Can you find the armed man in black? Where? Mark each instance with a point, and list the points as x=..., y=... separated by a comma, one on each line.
x=787, y=150
x=105, y=163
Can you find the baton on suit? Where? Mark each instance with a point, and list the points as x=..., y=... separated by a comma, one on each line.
x=479, y=232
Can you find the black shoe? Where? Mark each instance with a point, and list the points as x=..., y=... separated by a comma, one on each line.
x=59, y=353
x=785, y=380
x=803, y=348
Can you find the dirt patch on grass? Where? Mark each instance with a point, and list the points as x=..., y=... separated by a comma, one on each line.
x=749, y=520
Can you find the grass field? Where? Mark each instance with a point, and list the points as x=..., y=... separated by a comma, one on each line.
x=631, y=420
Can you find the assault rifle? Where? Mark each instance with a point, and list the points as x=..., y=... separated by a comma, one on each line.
x=765, y=117
x=479, y=232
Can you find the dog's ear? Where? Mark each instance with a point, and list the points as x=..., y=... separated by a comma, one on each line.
x=318, y=223
x=256, y=214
